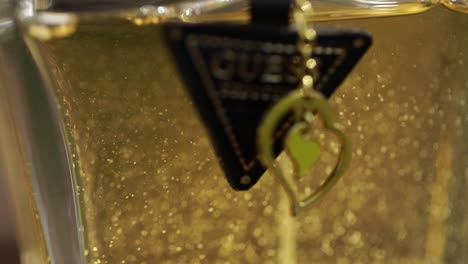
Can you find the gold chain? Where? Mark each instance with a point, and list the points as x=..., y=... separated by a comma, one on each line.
x=302, y=9
x=305, y=102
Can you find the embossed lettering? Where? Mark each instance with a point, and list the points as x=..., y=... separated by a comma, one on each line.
x=230, y=65
x=250, y=66
x=223, y=64
x=273, y=69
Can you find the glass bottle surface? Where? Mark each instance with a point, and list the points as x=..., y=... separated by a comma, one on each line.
x=456, y=5
x=148, y=186
x=219, y=11
x=33, y=161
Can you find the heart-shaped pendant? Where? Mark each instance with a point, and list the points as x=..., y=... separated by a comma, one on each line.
x=302, y=148
x=303, y=151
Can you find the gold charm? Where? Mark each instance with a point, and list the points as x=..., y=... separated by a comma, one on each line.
x=296, y=143
x=301, y=147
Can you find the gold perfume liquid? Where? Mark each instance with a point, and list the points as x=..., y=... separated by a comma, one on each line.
x=149, y=188
x=145, y=171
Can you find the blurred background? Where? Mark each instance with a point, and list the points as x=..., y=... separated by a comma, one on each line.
x=8, y=250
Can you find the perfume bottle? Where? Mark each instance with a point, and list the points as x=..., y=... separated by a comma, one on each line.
x=108, y=161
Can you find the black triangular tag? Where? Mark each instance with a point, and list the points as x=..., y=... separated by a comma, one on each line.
x=234, y=73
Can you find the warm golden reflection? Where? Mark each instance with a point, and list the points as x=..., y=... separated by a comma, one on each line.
x=151, y=190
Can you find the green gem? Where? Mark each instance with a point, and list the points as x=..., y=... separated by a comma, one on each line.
x=302, y=149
